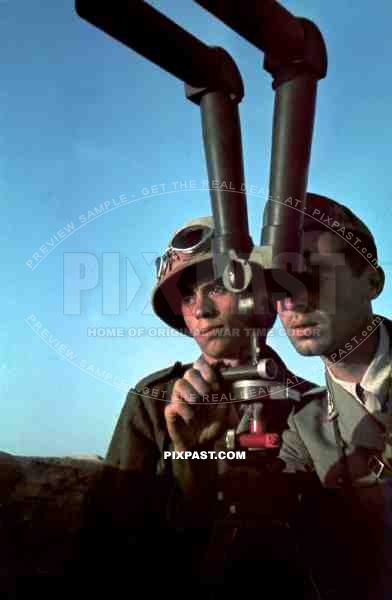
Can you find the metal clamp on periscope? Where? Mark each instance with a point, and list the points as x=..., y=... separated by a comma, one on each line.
x=265, y=402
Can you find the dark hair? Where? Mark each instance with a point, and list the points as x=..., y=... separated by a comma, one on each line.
x=358, y=261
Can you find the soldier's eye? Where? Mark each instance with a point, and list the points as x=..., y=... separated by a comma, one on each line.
x=217, y=289
x=188, y=300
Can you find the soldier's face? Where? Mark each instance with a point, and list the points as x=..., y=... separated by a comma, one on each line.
x=211, y=314
x=331, y=305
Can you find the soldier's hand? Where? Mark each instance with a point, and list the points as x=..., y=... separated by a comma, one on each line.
x=192, y=420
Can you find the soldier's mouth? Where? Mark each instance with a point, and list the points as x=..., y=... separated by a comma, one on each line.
x=211, y=331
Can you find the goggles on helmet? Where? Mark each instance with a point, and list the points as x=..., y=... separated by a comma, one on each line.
x=188, y=240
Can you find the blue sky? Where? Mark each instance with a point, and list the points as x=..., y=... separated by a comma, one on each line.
x=84, y=122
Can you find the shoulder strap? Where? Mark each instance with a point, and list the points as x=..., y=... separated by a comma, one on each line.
x=162, y=376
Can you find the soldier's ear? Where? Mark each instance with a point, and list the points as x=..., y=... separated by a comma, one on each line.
x=376, y=282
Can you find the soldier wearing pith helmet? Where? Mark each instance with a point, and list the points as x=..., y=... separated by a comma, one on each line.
x=164, y=411
x=167, y=411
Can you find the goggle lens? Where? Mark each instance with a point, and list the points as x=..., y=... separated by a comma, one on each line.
x=191, y=238
x=186, y=241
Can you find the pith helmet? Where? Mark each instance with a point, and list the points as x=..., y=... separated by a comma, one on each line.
x=189, y=251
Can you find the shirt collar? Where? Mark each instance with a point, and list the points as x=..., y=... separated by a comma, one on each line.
x=376, y=375
x=377, y=372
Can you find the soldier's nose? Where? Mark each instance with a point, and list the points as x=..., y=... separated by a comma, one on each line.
x=204, y=307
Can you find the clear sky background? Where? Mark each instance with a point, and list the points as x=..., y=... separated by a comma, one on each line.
x=85, y=121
